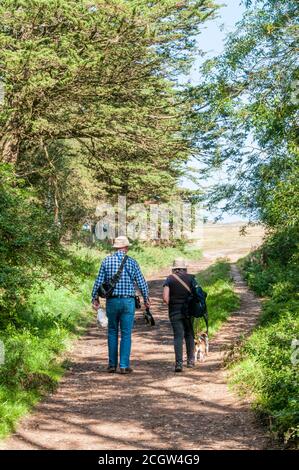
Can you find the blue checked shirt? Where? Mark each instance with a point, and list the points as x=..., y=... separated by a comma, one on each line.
x=130, y=276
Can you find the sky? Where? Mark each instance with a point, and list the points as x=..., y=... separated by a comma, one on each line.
x=211, y=42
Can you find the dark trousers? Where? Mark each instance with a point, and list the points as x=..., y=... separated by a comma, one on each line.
x=182, y=329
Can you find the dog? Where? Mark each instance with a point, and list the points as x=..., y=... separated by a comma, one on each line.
x=201, y=347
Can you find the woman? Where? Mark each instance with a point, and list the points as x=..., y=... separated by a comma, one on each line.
x=175, y=294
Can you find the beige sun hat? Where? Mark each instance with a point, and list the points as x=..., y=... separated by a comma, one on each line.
x=179, y=263
x=121, y=242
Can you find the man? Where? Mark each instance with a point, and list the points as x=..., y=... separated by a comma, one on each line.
x=120, y=306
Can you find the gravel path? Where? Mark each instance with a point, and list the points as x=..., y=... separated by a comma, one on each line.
x=153, y=408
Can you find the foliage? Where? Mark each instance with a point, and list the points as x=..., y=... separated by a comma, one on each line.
x=27, y=238
x=265, y=369
x=64, y=186
x=248, y=102
x=91, y=108
x=102, y=79
x=30, y=250
x=46, y=324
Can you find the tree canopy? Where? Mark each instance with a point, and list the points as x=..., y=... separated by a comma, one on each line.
x=103, y=77
x=248, y=103
x=92, y=107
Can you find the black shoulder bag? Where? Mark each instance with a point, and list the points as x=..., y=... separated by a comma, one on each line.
x=106, y=289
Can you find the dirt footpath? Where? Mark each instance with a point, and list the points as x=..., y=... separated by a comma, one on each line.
x=153, y=408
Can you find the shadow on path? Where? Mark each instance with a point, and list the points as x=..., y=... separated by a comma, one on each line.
x=152, y=408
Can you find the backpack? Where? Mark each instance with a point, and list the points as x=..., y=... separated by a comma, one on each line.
x=195, y=304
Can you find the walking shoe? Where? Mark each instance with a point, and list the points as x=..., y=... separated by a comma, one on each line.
x=178, y=368
x=111, y=369
x=126, y=370
x=190, y=364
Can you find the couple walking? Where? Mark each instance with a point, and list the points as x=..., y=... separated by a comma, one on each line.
x=120, y=305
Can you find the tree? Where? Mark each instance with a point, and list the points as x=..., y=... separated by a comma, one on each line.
x=28, y=238
x=92, y=107
x=100, y=78
x=250, y=107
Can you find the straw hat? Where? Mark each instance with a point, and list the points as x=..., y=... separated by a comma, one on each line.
x=121, y=242
x=179, y=263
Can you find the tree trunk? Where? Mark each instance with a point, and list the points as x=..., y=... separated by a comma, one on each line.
x=9, y=150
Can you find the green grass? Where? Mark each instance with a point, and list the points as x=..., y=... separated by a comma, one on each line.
x=13, y=405
x=264, y=370
x=52, y=319
x=151, y=259
x=54, y=316
x=221, y=300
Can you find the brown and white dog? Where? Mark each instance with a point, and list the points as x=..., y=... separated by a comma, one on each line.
x=201, y=346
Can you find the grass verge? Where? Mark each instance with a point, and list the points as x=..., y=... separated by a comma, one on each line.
x=266, y=369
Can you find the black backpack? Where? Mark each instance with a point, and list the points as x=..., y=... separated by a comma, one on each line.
x=195, y=305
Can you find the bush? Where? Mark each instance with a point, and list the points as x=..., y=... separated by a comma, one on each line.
x=46, y=324
x=28, y=239
x=266, y=371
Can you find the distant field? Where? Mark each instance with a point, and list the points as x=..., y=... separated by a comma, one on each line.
x=226, y=240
